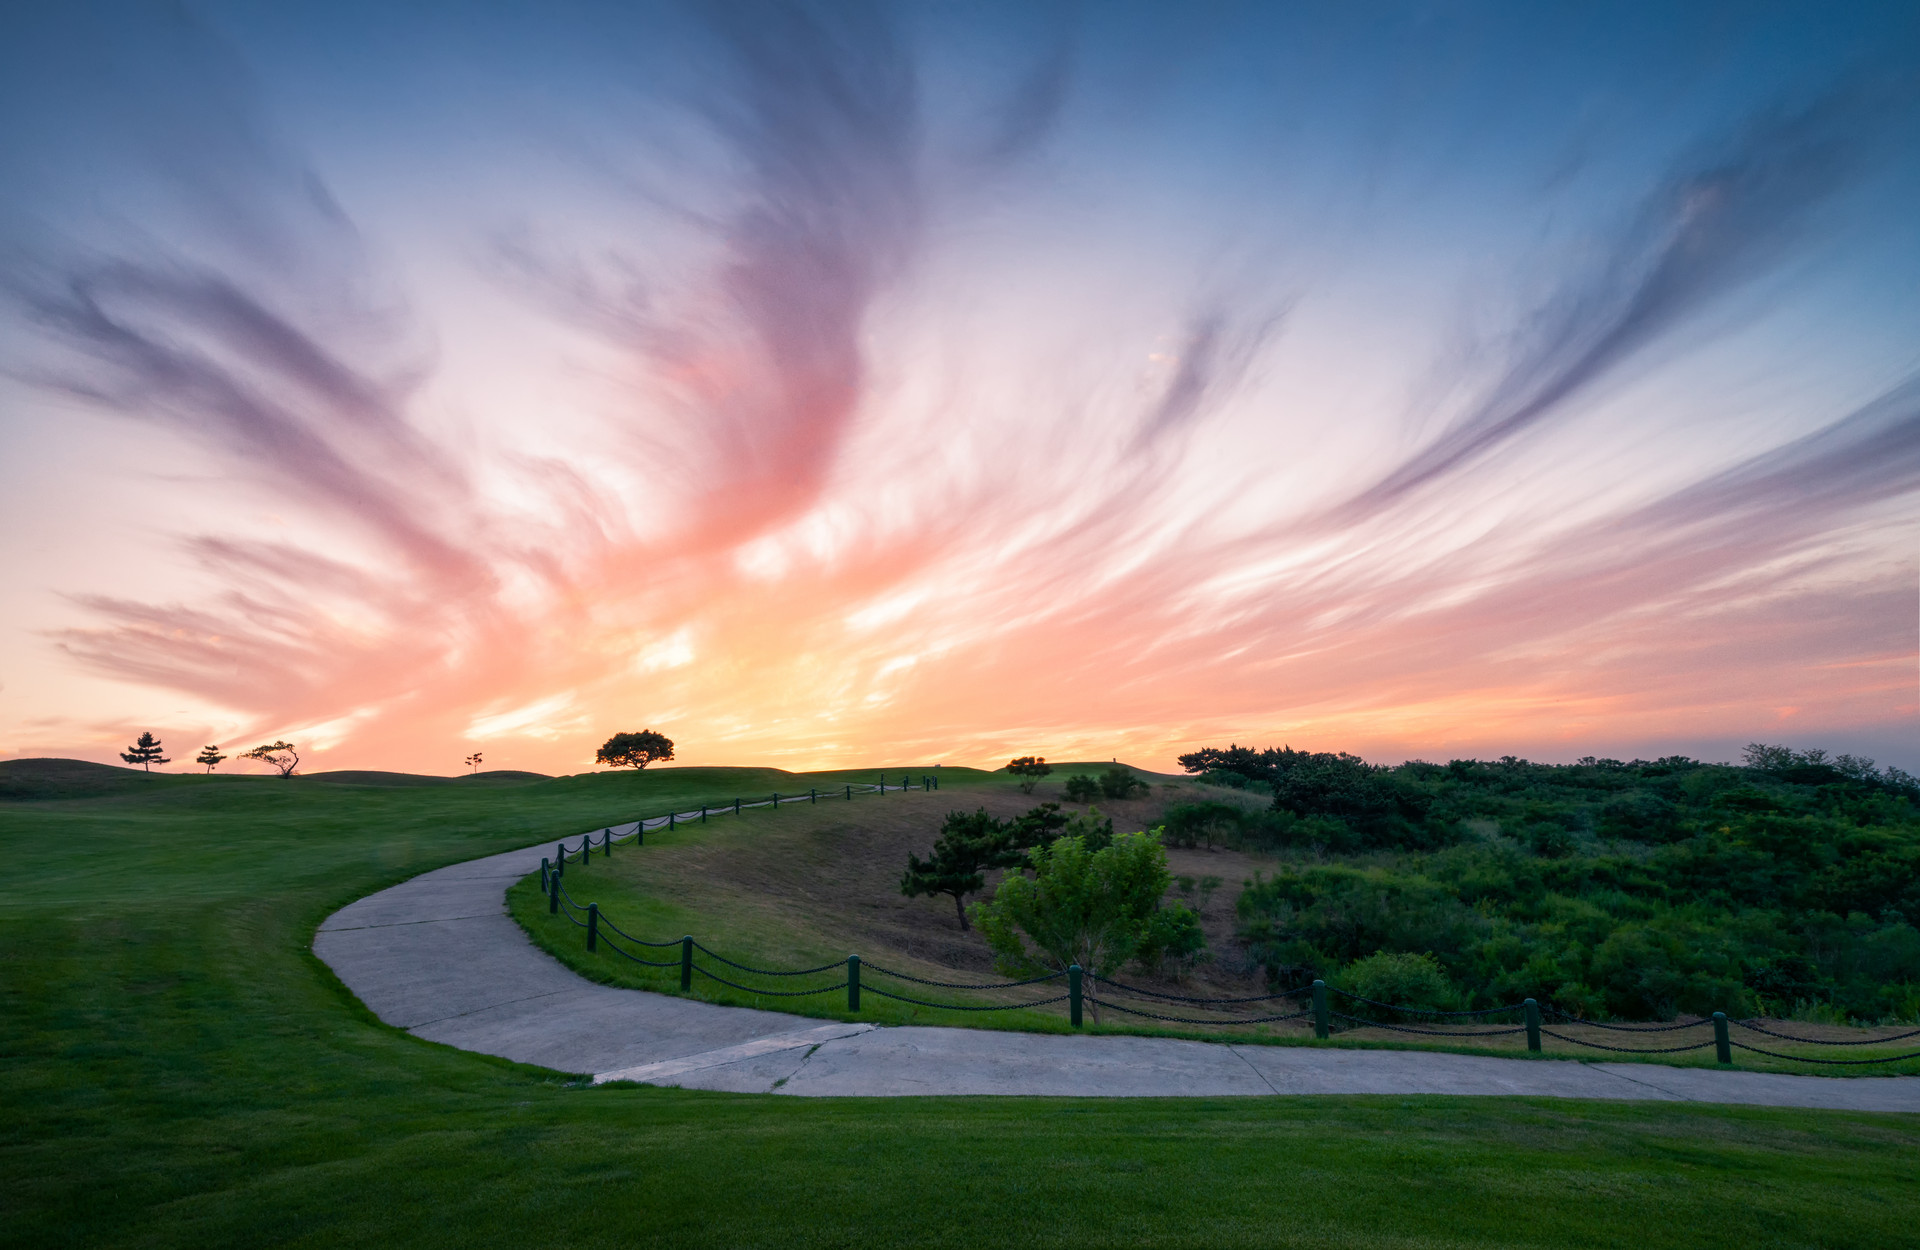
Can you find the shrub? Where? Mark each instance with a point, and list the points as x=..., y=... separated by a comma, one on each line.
x=1119, y=782
x=1096, y=908
x=1400, y=979
x=1081, y=788
x=1208, y=821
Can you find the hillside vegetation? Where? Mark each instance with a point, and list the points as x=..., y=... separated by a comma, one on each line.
x=1788, y=885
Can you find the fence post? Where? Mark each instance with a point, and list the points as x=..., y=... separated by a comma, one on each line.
x=1320, y=1009
x=849, y=794
x=640, y=832
x=1073, y=994
x=560, y=858
x=813, y=795
x=776, y=800
x=853, y=982
x=608, y=853
x=543, y=874
x=593, y=926
x=736, y=807
x=703, y=813
x=1533, y=1025
x=553, y=895
x=686, y=962
x=1722, y=1047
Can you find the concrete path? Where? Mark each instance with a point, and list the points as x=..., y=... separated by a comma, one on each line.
x=439, y=957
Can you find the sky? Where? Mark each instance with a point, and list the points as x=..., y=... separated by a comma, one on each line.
x=847, y=385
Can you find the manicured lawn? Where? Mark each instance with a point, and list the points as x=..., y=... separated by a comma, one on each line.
x=177, y=1069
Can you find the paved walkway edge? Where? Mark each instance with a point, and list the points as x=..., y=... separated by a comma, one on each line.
x=439, y=956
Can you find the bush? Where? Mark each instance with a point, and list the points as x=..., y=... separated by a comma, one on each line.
x=1120, y=783
x=1081, y=789
x=1400, y=979
x=1098, y=909
x=1208, y=821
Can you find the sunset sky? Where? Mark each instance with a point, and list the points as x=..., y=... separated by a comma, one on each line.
x=840, y=385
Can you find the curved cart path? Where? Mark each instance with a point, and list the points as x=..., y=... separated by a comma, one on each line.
x=440, y=957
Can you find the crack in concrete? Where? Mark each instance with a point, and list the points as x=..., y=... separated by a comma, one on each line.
x=461, y=1015
x=356, y=928
x=1235, y=1052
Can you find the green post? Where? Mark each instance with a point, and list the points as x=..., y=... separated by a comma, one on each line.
x=849, y=794
x=1320, y=1021
x=608, y=853
x=672, y=823
x=593, y=926
x=776, y=800
x=1533, y=1026
x=640, y=832
x=736, y=807
x=853, y=982
x=1722, y=1047
x=703, y=813
x=543, y=874
x=686, y=962
x=553, y=895
x=1073, y=994
x=813, y=795
x=560, y=858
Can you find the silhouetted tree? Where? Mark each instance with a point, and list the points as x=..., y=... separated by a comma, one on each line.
x=282, y=755
x=145, y=752
x=635, y=750
x=209, y=755
x=1030, y=769
x=473, y=761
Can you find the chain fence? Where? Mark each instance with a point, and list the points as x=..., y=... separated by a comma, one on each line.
x=1081, y=983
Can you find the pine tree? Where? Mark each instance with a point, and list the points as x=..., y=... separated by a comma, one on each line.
x=967, y=847
x=145, y=752
x=209, y=755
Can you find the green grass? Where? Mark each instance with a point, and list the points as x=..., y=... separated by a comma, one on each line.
x=177, y=1069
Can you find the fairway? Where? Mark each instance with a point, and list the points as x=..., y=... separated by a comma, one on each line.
x=181, y=1070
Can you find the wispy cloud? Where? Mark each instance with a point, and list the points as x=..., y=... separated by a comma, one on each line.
x=1722, y=219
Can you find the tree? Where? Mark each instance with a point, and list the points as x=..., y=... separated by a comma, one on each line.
x=209, y=755
x=1097, y=909
x=635, y=750
x=1030, y=769
x=1081, y=788
x=1119, y=782
x=473, y=761
x=145, y=752
x=282, y=755
x=969, y=844
x=1036, y=828
x=1188, y=824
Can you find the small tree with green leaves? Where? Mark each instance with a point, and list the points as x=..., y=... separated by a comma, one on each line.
x=1081, y=788
x=281, y=755
x=209, y=755
x=145, y=752
x=1029, y=769
x=635, y=750
x=969, y=844
x=1097, y=909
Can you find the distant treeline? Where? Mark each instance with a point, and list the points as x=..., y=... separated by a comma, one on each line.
x=1634, y=889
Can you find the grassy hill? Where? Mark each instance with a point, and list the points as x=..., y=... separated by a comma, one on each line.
x=178, y=1069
